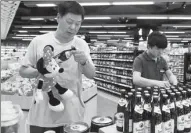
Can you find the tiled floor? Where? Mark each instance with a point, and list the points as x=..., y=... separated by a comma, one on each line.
x=107, y=106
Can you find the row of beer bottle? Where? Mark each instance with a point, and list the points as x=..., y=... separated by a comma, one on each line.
x=157, y=111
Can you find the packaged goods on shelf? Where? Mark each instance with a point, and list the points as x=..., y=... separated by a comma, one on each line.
x=114, y=69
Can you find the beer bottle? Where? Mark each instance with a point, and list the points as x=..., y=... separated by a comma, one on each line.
x=186, y=108
x=138, y=124
x=147, y=113
x=180, y=113
x=149, y=89
x=156, y=121
x=173, y=112
x=166, y=117
x=128, y=122
x=122, y=102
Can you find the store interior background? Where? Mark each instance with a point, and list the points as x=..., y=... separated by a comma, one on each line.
x=120, y=25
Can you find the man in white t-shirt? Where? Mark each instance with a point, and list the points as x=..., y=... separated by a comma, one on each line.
x=41, y=118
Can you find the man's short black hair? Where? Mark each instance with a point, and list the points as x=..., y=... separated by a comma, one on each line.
x=157, y=39
x=70, y=7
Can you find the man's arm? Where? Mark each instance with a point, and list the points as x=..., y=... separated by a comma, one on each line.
x=143, y=82
x=171, y=77
x=28, y=72
x=88, y=70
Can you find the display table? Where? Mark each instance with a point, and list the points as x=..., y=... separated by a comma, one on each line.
x=109, y=129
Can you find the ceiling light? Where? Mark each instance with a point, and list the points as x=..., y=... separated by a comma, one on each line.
x=93, y=40
x=97, y=31
x=129, y=38
x=182, y=18
x=120, y=35
x=182, y=26
x=97, y=18
x=49, y=26
x=25, y=35
x=118, y=26
x=30, y=26
x=152, y=17
x=25, y=39
x=173, y=32
x=96, y=4
x=112, y=40
x=133, y=3
x=184, y=41
x=45, y=5
x=172, y=36
x=91, y=26
x=45, y=31
x=22, y=31
x=36, y=18
x=114, y=32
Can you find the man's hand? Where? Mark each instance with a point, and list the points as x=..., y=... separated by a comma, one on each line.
x=79, y=56
x=164, y=84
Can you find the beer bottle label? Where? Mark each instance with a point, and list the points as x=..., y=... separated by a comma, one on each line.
x=139, y=109
x=167, y=127
x=165, y=109
x=138, y=127
x=171, y=105
x=179, y=104
x=180, y=123
x=119, y=122
x=185, y=103
x=147, y=107
x=122, y=102
x=172, y=123
x=130, y=125
x=147, y=124
x=157, y=110
x=187, y=120
x=158, y=128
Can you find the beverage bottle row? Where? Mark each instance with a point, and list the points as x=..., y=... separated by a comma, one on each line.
x=155, y=110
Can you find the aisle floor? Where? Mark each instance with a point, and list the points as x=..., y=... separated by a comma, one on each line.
x=106, y=106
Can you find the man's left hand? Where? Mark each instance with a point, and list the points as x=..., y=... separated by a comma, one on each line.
x=79, y=56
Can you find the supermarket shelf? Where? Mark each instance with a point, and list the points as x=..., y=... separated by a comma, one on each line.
x=112, y=52
x=125, y=77
x=112, y=59
x=120, y=68
x=113, y=82
x=108, y=90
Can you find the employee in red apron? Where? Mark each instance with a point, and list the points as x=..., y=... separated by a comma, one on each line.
x=150, y=67
x=41, y=118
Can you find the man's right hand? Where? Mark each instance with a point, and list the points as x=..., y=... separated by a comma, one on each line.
x=164, y=84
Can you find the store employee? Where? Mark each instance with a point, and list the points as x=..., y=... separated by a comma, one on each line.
x=149, y=67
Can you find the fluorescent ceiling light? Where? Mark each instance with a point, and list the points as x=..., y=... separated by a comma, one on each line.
x=22, y=31
x=118, y=26
x=152, y=17
x=25, y=35
x=172, y=36
x=120, y=35
x=182, y=18
x=133, y=3
x=91, y=26
x=45, y=5
x=97, y=17
x=182, y=26
x=113, y=32
x=30, y=26
x=36, y=18
x=45, y=31
x=50, y=26
x=112, y=40
x=25, y=39
x=97, y=31
x=184, y=41
x=93, y=39
x=96, y=4
x=129, y=38
x=173, y=32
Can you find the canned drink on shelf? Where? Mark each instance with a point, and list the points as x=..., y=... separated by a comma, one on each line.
x=77, y=127
x=98, y=122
